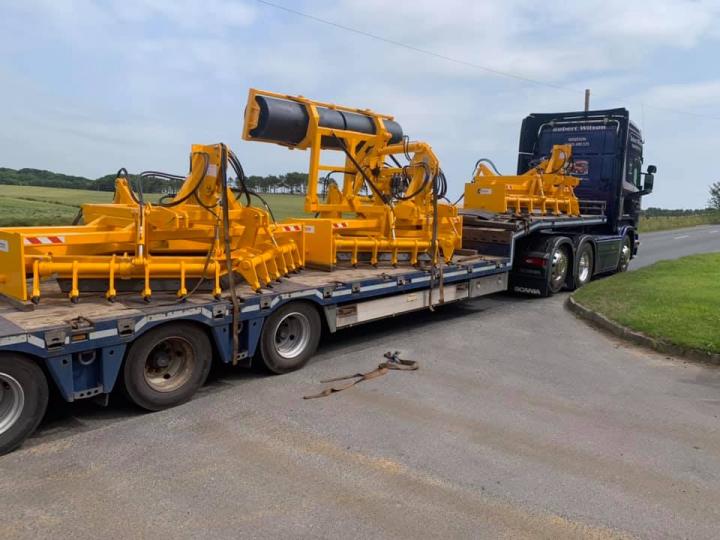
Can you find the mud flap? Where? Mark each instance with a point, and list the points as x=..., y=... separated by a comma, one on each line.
x=526, y=281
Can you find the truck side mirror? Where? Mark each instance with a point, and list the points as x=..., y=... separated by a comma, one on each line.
x=649, y=180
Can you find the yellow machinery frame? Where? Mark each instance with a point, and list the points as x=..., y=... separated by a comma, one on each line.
x=202, y=233
x=351, y=222
x=547, y=189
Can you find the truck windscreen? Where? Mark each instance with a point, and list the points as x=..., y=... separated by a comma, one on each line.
x=595, y=152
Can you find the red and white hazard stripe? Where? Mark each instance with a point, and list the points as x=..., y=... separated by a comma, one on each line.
x=340, y=225
x=292, y=228
x=43, y=240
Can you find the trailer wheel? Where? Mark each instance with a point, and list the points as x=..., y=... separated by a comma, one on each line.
x=585, y=265
x=23, y=400
x=625, y=254
x=166, y=366
x=558, y=271
x=290, y=337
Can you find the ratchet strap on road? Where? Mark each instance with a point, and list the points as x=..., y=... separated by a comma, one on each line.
x=394, y=363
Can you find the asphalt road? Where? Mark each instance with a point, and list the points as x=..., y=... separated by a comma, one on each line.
x=521, y=422
x=678, y=243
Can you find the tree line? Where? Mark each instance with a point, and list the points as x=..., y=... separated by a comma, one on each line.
x=656, y=212
x=293, y=182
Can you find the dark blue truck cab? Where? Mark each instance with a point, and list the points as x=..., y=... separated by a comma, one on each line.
x=551, y=253
x=607, y=155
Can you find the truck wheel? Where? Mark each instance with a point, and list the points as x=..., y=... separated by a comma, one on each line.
x=290, y=337
x=166, y=366
x=625, y=254
x=584, y=265
x=23, y=400
x=557, y=273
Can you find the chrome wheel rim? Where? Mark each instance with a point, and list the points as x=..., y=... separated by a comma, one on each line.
x=558, y=270
x=170, y=364
x=584, y=267
x=625, y=254
x=292, y=335
x=12, y=401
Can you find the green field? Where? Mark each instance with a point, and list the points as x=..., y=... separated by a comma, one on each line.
x=677, y=301
x=29, y=205
x=663, y=223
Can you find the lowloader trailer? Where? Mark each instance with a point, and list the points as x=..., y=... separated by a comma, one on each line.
x=159, y=353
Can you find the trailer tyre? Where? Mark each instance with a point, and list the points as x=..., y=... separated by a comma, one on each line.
x=166, y=366
x=23, y=400
x=290, y=337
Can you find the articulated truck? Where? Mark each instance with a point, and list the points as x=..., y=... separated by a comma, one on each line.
x=159, y=350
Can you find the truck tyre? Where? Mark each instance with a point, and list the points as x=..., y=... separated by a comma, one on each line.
x=625, y=253
x=166, y=366
x=559, y=264
x=290, y=337
x=23, y=399
x=584, y=265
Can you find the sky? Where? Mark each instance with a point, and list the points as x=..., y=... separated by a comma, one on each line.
x=90, y=86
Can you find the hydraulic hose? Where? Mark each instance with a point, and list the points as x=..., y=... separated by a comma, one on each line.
x=197, y=185
x=240, y=173
x=398, y=195
x=489, y=162
x=372, y=185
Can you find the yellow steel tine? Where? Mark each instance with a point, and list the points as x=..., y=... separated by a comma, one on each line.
x=36, y=282
x=111, y=293
x=147, y=291
x=74, y=292
x=182, y=291
x=217, y=290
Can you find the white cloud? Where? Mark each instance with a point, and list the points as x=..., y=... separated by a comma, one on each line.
x=162, y=74
x=660, y=22
x=693, y=96
x=70, y=16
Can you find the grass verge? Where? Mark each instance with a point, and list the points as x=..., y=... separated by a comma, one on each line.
x=665, y=223
x=675, y=301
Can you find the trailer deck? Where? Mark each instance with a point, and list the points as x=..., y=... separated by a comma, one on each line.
x=71, y=337
x=527, y=223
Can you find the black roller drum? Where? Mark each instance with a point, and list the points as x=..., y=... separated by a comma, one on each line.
x=286, y=122
x=396, y=131
x=280, y=121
